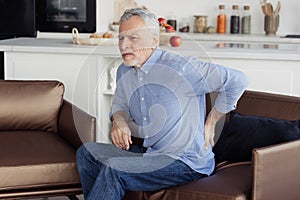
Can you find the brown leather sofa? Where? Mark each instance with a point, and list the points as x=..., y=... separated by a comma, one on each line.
x=271, y=174
x=39, y=135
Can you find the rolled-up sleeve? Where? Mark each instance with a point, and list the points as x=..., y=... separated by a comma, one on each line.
x=227, y=82
x=234, y=86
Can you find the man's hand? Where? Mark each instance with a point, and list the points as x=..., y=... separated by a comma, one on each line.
x=209, y=127
x=121, y=135
x=120, y=132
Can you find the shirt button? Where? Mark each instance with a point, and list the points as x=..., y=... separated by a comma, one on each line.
x=141, y=78
x=142, y=98
x=145, y=119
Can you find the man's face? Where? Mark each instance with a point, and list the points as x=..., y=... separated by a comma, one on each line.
x=136, y=41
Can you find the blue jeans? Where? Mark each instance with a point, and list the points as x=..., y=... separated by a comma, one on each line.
x=106, y=171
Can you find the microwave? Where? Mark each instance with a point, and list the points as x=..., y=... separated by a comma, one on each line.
x=63, y=15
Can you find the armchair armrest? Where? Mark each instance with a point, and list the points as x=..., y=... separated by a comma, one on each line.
x=276, y=171
x=75, y=125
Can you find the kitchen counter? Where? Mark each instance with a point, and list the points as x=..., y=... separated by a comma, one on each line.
x=54, y=45
x=240, y=38
x=203, y=49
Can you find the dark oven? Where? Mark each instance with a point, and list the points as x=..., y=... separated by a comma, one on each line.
x=63, y=15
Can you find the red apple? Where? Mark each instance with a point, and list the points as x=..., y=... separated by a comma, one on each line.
x=175, y=41
x=162, y=21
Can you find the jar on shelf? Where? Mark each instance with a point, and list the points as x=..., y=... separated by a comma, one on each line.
x=184, y=25
x=221, y=20
x=246, y=20
x=200, y=23
x=235, y=20
x=172, y=20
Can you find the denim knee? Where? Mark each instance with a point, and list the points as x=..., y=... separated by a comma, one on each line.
x=80, y=154
x=79, y=151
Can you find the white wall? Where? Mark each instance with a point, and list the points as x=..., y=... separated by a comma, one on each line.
x=289, y=13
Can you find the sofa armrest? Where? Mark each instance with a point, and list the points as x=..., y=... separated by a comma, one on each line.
x=276, y=171
x=75, y=125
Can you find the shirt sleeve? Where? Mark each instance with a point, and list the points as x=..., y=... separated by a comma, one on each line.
x=119, y=100
x=229, y=83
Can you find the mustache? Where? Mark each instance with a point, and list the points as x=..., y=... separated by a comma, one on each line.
x=136, y=50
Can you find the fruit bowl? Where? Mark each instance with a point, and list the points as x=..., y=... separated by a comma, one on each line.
x=164, y=38
x=114, y=27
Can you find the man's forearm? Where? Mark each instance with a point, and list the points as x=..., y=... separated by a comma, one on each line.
x=209, y=128
x=214, y=116
x=121, y=116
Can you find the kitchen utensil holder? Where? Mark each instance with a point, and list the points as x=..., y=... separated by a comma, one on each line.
x=271, y=24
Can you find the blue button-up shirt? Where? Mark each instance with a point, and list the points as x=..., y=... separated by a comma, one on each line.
x=166, y=100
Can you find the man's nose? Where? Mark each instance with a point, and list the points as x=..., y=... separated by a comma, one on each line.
x=124, y=43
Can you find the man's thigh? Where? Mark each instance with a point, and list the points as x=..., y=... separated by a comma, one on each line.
x=142, y=172
x=152, y=173
x=126, y=161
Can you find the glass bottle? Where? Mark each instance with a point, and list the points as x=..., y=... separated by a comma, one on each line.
x=235, y=20
x=184, y=25
x=172, y=20
x=246, y=20
x=221, y=20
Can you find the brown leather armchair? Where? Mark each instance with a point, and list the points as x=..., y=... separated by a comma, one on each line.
x=39, y=135
x=271, y=174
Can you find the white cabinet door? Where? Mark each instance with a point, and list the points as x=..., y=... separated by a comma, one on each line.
x=77, y=72
x=106, y=82
x=272, y=76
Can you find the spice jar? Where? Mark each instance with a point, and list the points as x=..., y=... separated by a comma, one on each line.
x=221, y=20
x=184, y=25
x=235, y=20
x=200, y=23
x=172, y=21
x=246, y=20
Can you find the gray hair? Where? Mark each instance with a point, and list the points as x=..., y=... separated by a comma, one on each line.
x=145, y=15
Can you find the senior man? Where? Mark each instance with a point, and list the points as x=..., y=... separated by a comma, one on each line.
x=160, y=98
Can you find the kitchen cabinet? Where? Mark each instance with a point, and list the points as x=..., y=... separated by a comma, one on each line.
x=77, y=72
x=269, y=76
x=88, y=72
x=87, y=79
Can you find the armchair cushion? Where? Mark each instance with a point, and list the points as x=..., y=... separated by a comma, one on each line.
x=35, y=159
x=244, y=133
x=28, y=106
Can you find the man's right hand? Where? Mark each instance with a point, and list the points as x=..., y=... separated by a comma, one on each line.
x=121, y=134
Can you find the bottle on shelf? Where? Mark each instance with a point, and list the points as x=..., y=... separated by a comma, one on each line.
x=221, y=20
x=235, y=20
x=172, y=20
x=246, y=20
x=184, y=25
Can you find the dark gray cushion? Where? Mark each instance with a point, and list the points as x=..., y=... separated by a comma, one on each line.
x=244, y=133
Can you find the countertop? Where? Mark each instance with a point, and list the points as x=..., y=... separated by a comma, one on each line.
x=189, y=47
x=247, y=38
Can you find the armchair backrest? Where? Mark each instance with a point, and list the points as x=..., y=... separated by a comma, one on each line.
x=30, y=105
x=276, y=172
x=275, y=106
x=264, y=104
